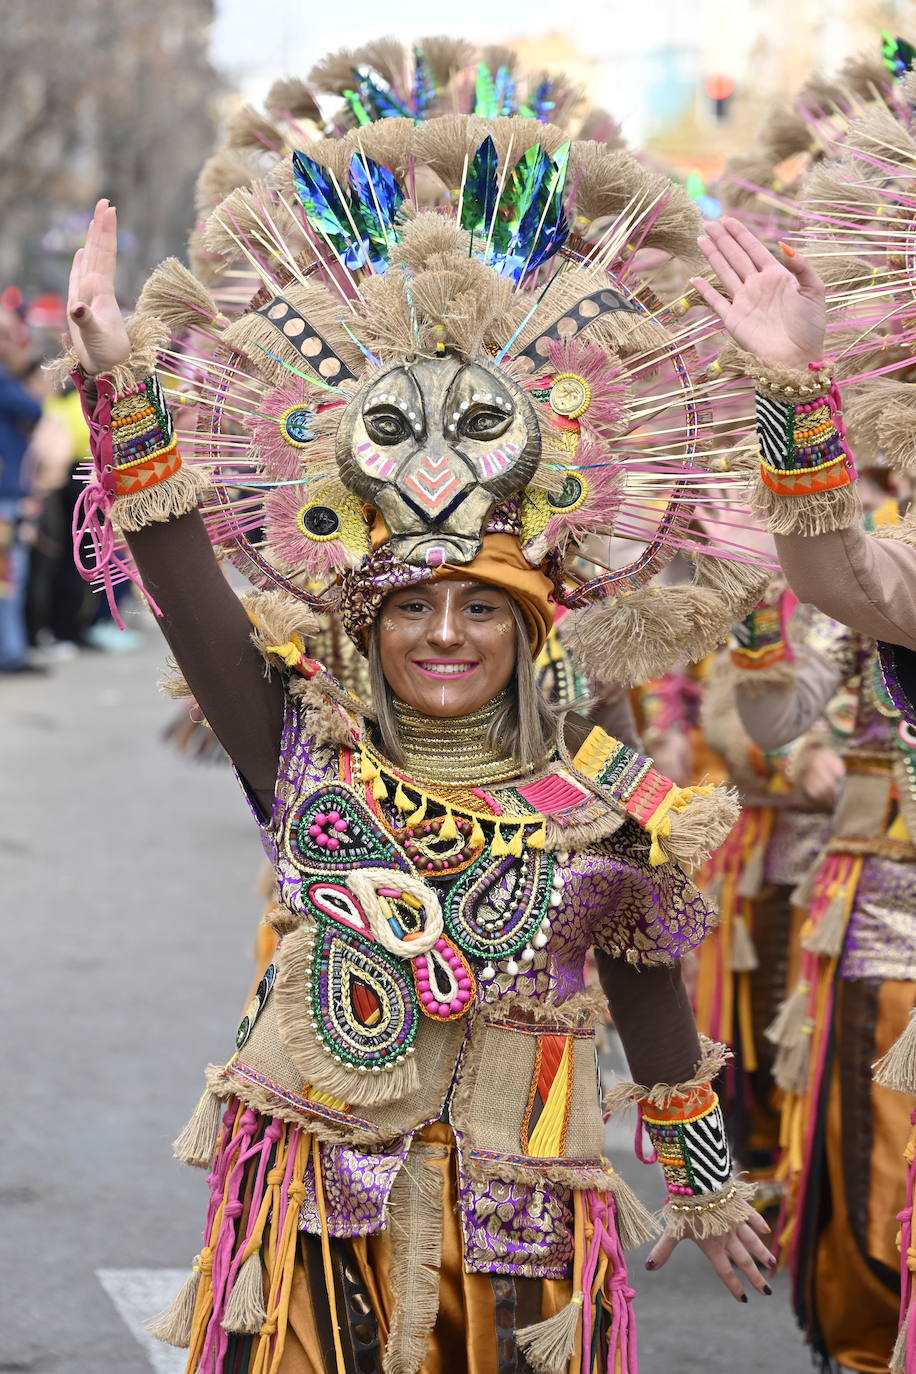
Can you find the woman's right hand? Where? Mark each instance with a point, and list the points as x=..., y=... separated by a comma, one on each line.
x=97, y=331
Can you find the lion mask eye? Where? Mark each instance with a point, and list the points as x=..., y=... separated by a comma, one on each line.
x=484, y=424
x=387, y=426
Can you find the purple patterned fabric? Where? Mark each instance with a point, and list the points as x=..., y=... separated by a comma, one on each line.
x=357, y=1185
x=898, y=668
x=516, y=1228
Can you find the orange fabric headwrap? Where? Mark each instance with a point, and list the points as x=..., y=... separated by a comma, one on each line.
x=501, y=563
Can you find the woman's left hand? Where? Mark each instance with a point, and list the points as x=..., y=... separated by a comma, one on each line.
x=729, y=1254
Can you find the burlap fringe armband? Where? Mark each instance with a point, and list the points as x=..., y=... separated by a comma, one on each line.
x=897, y=1068
x=713, y=1058
x=819, y=512
x=174, y=496
x=147, y=336
x=709, y=1214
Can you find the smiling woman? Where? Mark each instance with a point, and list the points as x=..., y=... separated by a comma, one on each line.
x=405, y=1150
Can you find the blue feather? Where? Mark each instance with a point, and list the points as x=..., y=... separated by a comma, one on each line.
x=324, y=207
x=378, y=198
x=481, y=189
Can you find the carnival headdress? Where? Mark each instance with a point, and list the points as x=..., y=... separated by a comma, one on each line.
x=407, y=382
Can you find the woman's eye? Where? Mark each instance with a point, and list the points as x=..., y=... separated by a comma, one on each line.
x=480, y=608
x=484, y=424
x=387, y=427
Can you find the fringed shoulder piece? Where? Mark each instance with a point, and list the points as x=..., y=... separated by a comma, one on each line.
x=684, y=823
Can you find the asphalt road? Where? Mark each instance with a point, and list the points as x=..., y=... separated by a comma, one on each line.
x=128, y=909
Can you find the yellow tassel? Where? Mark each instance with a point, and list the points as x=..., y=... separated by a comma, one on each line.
x=448, y=830
x=476, y=837
x=514, y=846
x=657, y=855
x=367, y=769
x=539, y=838
x=290, y=652
x=420, y=813
x=498, y=845
x=379, y=790
x=401, y=800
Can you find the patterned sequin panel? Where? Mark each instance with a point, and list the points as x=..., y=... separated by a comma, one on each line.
x=516, y=1228
x=796, y=842
x=881, y=938
x=357, y=1186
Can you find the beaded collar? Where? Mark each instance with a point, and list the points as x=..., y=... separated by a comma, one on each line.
x=455, y=749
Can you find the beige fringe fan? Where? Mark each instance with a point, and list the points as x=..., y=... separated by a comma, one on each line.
x=652, y=445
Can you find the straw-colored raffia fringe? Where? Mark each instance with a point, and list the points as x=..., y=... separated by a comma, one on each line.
x=416, y=1216
x=245, y=1312
x=176, y=495
x=173, y=295
x=897, y=1068
x=147, y=336
x=701, y=826
x=743, y=957
x=307, y=1050
x=291, y=99
x=224, y=1084
x=783, y=134
x=713, y=1057
x=323, y=719
x=740, y=585
x=602, y=1178
x=819, y=512
x=635, y=1223
x=577, y=1011
x=898, y=1364
x=196, y=1143
x=750, y=881
x=279, y=620
x=249, y=130
x=548, y=1346
x=579, y=837
x=639, y=636
x=905, y=532
x=172, y=683
x=174, y=1325
x=709, y=1214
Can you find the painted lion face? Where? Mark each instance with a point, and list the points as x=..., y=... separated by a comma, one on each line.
x=434, y=445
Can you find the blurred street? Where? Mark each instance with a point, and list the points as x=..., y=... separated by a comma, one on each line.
x=129, y=875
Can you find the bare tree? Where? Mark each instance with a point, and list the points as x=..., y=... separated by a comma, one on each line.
x=104, y=97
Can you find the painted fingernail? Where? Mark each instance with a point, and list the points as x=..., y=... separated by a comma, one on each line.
x=787, y=249
x=768, y=1290
x=650, y=1263
x=78, y=312
x=743, y=1297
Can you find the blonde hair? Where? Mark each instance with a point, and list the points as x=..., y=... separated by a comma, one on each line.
x=524, y=729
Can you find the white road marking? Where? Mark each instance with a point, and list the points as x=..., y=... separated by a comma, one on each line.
x=139, y=1295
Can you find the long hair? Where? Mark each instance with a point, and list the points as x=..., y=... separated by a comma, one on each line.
x=525, y=727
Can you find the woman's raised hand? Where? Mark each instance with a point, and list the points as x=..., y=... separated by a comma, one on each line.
x=97, y=330
x=773, y=309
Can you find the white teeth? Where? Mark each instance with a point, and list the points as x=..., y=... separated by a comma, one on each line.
x=446, y=668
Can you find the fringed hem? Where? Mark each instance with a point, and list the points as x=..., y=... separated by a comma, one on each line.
x=785, y=384
x=714, y=1057
x=174, y=496
x=709, y=1214
x=172, y=683
x=223, y=1083
x=416, y=1215
x=701, y=826
x=575, y=838
x=819, y=512
x=147, y=336
x=577, y=1011
x=308, y=1052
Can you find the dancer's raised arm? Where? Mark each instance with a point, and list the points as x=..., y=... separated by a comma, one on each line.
x=142, y=486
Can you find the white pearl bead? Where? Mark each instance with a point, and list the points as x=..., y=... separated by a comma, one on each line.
x=512, y=968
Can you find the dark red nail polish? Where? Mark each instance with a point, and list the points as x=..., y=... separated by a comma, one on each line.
x=650, y=1263
x=78, y=312
x=768, y=1290
x=744, y=1297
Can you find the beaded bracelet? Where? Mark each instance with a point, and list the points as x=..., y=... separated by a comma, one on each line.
x=802, y=435
x=760, y=639
x=688, y=1136
x=143, y=445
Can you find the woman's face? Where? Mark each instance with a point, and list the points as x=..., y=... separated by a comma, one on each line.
x=447, y=648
